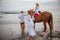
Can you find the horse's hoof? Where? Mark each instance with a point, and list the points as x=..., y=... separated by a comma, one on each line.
x=43, y=34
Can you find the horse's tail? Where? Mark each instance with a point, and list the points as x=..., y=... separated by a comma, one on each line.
x=51, y=19
x=51, y=22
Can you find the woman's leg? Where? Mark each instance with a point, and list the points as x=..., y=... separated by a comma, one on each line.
x=30, y=37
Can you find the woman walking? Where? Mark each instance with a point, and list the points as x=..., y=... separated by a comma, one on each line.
x=30, y=25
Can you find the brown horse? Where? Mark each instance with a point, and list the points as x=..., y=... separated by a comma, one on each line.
x=45, y=17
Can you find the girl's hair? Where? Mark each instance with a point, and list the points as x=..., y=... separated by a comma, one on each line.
x=37, y=4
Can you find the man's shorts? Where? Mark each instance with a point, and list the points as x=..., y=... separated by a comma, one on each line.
x=21, y=21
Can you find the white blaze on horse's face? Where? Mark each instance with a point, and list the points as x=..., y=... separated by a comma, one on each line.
x=32, y=12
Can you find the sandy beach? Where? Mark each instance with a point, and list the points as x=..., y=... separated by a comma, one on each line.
x=10, y=28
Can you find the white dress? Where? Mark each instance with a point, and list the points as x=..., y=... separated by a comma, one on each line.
x=21, y=17
x=30, y=25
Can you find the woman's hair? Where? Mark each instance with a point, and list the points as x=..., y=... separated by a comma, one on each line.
x=29, y=12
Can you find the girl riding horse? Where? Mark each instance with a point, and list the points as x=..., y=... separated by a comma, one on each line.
x=37, y=10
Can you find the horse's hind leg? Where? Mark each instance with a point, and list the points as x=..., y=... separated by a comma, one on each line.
x=22, y=28
x=50, y=22
x=51, y=27
x=45, y=27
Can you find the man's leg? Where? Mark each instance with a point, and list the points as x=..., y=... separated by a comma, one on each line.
x=22, y=28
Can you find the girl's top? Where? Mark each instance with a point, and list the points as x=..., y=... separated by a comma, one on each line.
x=37, y=9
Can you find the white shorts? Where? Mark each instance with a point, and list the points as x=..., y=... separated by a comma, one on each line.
x=21, y=21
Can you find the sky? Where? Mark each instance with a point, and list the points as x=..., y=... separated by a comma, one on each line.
x=18, y=5
x=41, y=0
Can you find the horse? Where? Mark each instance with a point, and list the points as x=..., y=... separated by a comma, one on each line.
x=45, y=17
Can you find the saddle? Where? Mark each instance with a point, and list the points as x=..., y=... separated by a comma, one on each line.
x=38, y=17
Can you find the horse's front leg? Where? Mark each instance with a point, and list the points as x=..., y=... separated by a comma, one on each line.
x=22, y=28
x=34, y=24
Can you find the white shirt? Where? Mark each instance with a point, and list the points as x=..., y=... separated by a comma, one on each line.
x=37, y=9
x=21, y=17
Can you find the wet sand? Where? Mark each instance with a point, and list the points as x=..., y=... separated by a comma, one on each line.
x=10, y=28
x=47, y=36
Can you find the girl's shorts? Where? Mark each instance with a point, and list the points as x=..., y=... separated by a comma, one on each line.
x=36, y=15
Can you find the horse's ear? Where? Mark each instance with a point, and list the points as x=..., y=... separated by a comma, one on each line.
x=34, y=12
